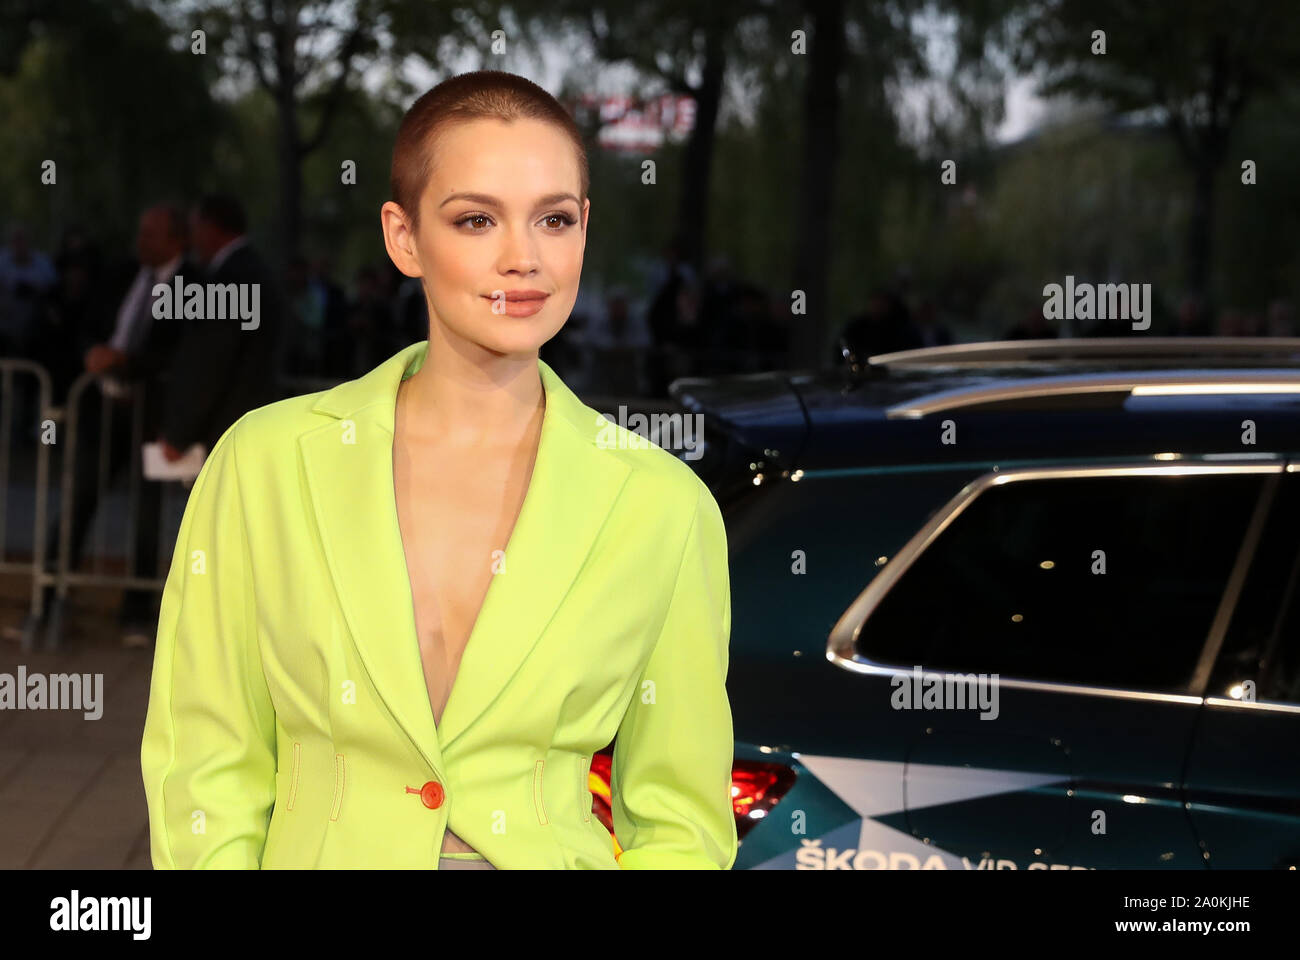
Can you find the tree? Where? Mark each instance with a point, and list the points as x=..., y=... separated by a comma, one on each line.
x=669, y=43
x=691, y=49
x=1197, y=64
x=818, y=163
x=306, y=54
x=104, y=91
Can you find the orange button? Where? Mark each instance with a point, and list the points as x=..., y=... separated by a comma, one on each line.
x=431, y=794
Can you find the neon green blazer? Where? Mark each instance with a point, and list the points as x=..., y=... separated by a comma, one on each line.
x=289, y=723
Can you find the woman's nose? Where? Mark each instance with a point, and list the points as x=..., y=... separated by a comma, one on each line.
x=519, y=252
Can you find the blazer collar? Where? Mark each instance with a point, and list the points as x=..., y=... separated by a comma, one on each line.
x=379, y=388
x=348, y=462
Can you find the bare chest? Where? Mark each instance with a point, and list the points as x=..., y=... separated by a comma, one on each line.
x=455, y=516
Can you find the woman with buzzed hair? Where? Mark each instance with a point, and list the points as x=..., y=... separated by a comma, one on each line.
x=431, y=594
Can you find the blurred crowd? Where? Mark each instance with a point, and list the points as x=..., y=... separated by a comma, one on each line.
x=894, y=320
x=684, y=324
x=179, y=376
x=59, y=309
x=65, y=310
x=1193, y=318
x=56, y=308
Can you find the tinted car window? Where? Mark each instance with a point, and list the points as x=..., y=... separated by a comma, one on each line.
x=1263, y=642
x=1014, y=585
x=1281, y=668
x=800, y=552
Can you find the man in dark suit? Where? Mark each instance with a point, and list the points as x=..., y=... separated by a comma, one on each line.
x=133, y=361
x=224, y=367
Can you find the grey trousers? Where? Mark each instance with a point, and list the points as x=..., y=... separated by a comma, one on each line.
x=452, y=863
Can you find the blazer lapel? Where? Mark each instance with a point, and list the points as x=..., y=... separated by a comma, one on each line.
x=349, y=469
x=571, y=493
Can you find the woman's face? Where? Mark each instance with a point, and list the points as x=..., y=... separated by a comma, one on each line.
x=499, y=216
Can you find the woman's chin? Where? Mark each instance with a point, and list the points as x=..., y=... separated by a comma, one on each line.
x=519, y=343
x=524, y=338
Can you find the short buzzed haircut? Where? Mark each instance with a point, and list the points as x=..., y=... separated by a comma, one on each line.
x=478, y=95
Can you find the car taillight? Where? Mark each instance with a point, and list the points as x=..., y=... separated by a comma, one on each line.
x=598, y=783
x=756, y=787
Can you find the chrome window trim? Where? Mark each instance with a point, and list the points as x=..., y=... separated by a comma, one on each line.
x=993, y=351
x=1273, y=705
x=1136, y=383
x=843, y=636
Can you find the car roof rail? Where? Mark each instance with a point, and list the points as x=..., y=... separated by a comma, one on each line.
x=1119, y=385
x=1095, y=349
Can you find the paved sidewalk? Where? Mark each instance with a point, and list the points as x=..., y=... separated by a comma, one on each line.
x=71, y=794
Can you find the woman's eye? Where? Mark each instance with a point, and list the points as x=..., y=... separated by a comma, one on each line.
x=555, y=221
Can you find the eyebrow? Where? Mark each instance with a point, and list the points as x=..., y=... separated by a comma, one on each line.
x=491, y=201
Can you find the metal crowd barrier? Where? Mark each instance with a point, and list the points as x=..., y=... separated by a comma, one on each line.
x=69, y=426
x=9, y=367
x=64, y=576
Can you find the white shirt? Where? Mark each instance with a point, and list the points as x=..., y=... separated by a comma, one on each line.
x=130, y=311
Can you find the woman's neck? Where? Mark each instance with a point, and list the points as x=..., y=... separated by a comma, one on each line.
x=463, y=396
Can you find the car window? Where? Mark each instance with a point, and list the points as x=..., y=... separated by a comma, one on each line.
x=1100, y=580
x=1263, y=641
x=799, y=552
x=1280, y=671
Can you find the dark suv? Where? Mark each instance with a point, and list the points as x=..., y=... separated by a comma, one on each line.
x=1025, y=604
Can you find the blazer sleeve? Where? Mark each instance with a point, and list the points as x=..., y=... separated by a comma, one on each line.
x=671, y=772
x=209, y=753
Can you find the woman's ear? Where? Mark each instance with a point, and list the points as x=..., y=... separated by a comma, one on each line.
x=586, y=210
x=399, y=239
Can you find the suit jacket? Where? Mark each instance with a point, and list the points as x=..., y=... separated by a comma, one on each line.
x=220, y=370
x=289, y=724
